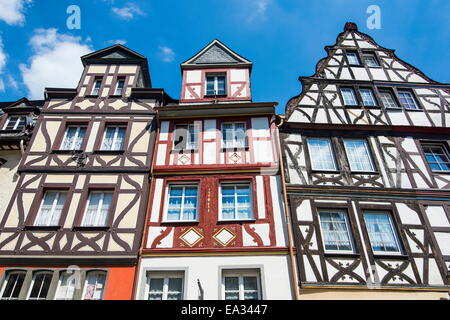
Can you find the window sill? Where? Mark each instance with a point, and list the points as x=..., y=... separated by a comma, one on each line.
x=215, y=96
x=80, y=228
x=185, y=150
x=394, y=109
x=373, y=107
x=179, y=222
x=325, y=171
x=441, y=172
x=42, y=228
x=341, y=255
x=391, y=256
x=116, y=96
x=109, y=152
x=247, y=148
x=91, y=96
x=237, y=221
x=346, y=106
x=66, y=151
x=413, y=110
x=372, y=173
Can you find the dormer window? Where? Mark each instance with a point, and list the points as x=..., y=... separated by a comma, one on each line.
x=97, y=85
x=353, y=58
x=371, y=60
x=15, y=123
x=119, y=87
x=216, y=85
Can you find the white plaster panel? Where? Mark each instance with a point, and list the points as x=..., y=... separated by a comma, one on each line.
x=437, y=217
x=194, y=76
x=260, y=197
x=157, y=200
x=260, y=128
x=210, y=129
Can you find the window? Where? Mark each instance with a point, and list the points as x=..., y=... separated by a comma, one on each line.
x=336, y=231
x=371, y=60
x=321, y=153
x=119, y=87
x=186, y=136
x=49, y=213
x=234, y=135
x=66, y=286
x=236, y=201
x=73, y=138
x=95, y=285
x=388, y=100
x=358, y=155
x=348, y=94
x=164, y=286
x=114, y=138
x=353, y=58
x=437, y=156
x=183, y=201
x=241, y=285
x=15, y=123
x=40, y=286
x=408, y=100
x=216, y=85
x=97, y=86
x=368, y=98
x=97, y=210
x=382, y=235
x=13, y=285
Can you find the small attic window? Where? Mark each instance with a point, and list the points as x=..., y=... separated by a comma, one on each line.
x=353, y=58
x=216, y=84
x=97, y=86
x=119, y=87
x=370, y=59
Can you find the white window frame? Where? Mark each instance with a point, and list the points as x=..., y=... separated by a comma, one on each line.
x=95, y=90
x=115, y=138
x=19, y=118
x=189, y=144
x=166, y=202
x=413, y=98
x=30, y=289
x=54, y=204
x=241, y=274
x=349, y=231
x=5, y=283
x=166, y=276
x=372, y=95
x=216, y=83
x=116, y=91
x=234, y=146
x=369, y=154
x=97, y=272
x=99, y=209
x=355, y=55
x=394, y=231
x=77, y=133
x=330, y=148
x=61, y=274
x=235, y=184
x=354, y=96
x=391, y=95
x=373, y=56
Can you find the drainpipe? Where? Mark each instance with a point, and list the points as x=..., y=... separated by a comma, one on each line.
x=22, y=147
x=141, y=248
x=287, y=213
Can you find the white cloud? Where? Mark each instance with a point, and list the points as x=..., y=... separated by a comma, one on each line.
x=112, y=42
x=2, y=85
x=55, y=63
x=2, y=56
x=11, y=11
x=128, y=12
x=258, y=9
x=12, y=82
x=166, y=54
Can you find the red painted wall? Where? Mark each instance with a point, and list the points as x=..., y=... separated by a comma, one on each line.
x=119, y=285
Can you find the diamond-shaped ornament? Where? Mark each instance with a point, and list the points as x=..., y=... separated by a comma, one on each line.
x=224, y=237
x=191, y=237
x=235, y=157
x=184, y=159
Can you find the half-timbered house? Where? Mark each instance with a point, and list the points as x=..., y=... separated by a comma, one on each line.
x=74, y=225
x=366, y=150
x=215, y=226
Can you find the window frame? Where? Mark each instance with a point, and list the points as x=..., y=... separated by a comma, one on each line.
x=355, y=52
x=374, y=56
x=86, y=202
x=236, y=183
x=93, y=92
x=8, y=274
x=369, y=153
x=355, y=95
x=189, y=146
x=15, y=128
x=166, y=276
x=234, y=123
x=348, y=226
x=372, y=92
x=391, y=92
x=394, y=229
x=216, y=76
x=63, y=209
x=331, y=149
x=116, y=87
x=241, y=274
x=414, y=98
x=79, y=127
x=83, y=292
x=444, y=147
x=117, y=127
x=30, y=288
x=61, y=273
x=167, y=199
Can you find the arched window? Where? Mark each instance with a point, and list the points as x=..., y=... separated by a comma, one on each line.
x=12, y=285
x=94, y=287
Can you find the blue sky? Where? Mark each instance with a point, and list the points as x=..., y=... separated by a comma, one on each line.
x=283, y=38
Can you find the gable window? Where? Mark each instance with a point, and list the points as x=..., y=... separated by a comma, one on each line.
x=349, y=96
x=40, y=286
x=97, y=86
x=182, y=202
x=97, y=209
x=371, y=60
x=73, y=138
x=119, y=87
x=358, y=155
x=388, y=100
x=13, y=285
x=186, y=136
x=382, y=235
x=66, y=286
x=336, y=231
x=236, y=201
x=368, y=98
x=51, y=207
x=408, y=100
x=164, y=286
x=234, y=135
x=353, y=58
x=114, y=138
x=437, y=156
x=215, y=85
x=94, y=286
x=241, y=285
x=321, y=153
x=15, y=123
